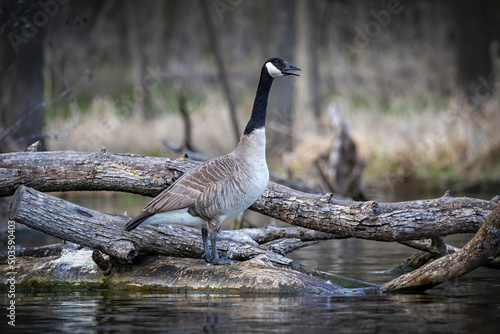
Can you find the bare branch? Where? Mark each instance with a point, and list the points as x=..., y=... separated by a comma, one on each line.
x=400, y=221
x=105, y=232
x=484, y=246
x=269, y=271
x=427, y=245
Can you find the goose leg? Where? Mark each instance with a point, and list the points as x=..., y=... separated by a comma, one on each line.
x=206, y=249
x=215, y=256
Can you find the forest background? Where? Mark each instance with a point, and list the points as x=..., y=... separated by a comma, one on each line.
x=413, y=82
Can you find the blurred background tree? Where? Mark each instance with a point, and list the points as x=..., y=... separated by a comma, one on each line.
x=407, y=77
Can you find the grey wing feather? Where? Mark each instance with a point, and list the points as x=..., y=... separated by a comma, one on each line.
x=208, y=178
x=190, y=186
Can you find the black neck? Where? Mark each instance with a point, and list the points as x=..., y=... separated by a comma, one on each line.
x=258, y=118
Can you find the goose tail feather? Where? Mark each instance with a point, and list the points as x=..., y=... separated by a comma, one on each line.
x=137, y=220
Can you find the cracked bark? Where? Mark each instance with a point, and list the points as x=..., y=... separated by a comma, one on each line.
x=402, y=222
x=482, y=247
x=67, y=170
x=132, y=255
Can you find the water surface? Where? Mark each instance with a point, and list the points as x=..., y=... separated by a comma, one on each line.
x=470, y=304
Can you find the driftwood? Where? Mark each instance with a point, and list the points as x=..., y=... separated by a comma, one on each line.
x=269, y=270
x=406, y=222
x=67, y=170
x=75, y=269
x=484, y=246
x=104, y=234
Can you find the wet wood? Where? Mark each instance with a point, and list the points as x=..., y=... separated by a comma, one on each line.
x=429, y=251
x=132, y=256
x=319, y=217
x=76, y=269
x=105, y=232
x=411, y=263
x=67, y=170
x=482, y=247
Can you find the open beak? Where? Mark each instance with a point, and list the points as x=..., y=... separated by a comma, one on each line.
x=290, y=70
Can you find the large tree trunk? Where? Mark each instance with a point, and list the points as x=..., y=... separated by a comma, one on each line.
x=474, y=71
x=136, y=13
x=221, y=68
x=280, y=118
x=307, y=26
x=21, y=83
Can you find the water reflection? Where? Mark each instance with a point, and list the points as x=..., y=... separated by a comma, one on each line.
x=103, y=312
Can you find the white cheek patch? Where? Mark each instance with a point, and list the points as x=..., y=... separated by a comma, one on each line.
x=273, y=71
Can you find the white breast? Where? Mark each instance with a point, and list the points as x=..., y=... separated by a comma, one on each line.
x=254, y=176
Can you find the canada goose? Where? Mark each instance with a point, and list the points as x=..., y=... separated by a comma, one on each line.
x=222, y=187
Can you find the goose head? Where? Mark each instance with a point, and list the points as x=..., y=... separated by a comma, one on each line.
x=277, y=67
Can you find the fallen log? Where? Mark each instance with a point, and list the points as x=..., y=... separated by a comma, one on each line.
x=484, y=246
x=63, y=171
x=105, y=232
x=133, y=256
x=67, y=170
x=75, y=269
x=132, y=262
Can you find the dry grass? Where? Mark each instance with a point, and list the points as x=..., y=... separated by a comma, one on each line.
x=399, y=142
x=435, y=146
x=101, y=125
x=389, y=91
